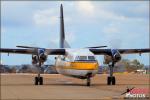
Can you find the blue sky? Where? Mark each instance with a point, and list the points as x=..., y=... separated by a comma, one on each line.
x=117, y=24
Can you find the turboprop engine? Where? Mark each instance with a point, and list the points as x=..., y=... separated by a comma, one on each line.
x=114, y=57
x=42, y=55
x=34, y=59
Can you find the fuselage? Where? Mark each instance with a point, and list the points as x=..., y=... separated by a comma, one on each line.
x=77, y=63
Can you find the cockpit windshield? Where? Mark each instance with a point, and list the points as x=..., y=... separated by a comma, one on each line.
x=85, y=58
x=91, y=58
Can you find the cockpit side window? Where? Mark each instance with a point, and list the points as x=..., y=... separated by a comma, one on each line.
x=82, y=57
x=91, y=58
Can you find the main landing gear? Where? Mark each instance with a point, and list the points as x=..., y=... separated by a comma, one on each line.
x=38, y=80
x=111, y=79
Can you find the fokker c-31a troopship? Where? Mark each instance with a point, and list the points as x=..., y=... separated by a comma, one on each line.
x=78, y=63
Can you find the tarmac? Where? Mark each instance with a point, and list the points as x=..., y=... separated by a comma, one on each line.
x=59, y=87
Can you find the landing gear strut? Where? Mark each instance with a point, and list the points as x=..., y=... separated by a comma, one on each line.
x=88, y=83
x=38, y=80
x=111, y=79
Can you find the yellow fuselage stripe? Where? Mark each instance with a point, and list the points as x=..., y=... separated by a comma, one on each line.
x=81, y=65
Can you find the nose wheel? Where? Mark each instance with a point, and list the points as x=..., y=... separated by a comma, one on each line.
x=111, y=80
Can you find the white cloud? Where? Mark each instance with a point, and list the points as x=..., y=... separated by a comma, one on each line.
x=105, y=14
x=70, y=37
x=97, y=11
x=124, y=11
x=55, y=40
x=3, y=30
x=111, y=30
x=85, y=7
x=45, y=17
x=48, y=17
x=112, y=35
x=140, y=10
x=15, y=13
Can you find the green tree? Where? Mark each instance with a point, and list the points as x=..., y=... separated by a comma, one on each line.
x=137, y=64
x=131, y=66
x=13, y=69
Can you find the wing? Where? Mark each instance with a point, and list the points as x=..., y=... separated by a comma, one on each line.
x=131, y=51
x=62, y=51
x=121, y=51
x=33, y=51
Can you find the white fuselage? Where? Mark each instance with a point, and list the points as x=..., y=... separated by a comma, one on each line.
x=77, y=63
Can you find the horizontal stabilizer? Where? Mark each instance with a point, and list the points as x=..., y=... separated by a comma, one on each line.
x=97, y=47
x=27, y=47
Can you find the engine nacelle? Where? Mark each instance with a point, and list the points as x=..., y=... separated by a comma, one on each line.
x=117, y=57
x=114, y=57
x=107, y=59
x=43, y=57
x=34, y=59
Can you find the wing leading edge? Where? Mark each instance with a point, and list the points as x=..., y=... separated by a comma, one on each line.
x=62, y=51
x=121, y=51
x=33, y=51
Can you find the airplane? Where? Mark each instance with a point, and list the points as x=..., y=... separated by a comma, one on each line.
x=77, y=63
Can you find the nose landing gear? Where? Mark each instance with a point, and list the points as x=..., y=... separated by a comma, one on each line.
x=88, y=83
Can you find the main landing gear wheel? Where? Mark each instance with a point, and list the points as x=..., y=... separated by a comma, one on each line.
x=111, y=80
x=38, y=80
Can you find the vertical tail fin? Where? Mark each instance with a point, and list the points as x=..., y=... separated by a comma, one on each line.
x=62, y=30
